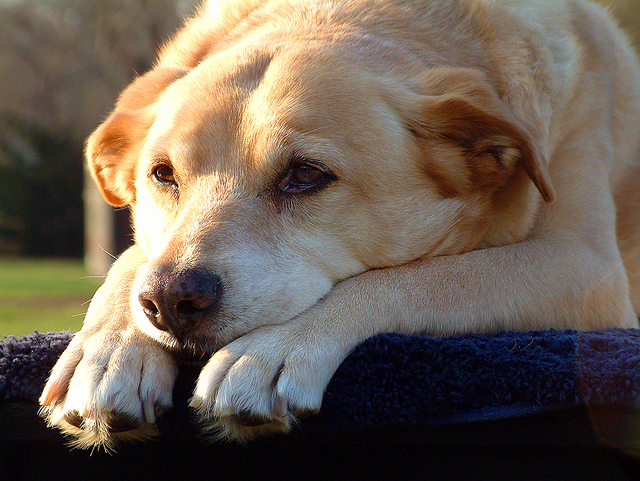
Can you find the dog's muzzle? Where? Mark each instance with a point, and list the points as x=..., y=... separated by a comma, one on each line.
x=178, y=302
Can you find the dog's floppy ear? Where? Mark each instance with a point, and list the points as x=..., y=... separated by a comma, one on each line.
x=112, y=149
x=473, y=138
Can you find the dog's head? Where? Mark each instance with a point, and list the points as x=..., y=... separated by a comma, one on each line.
x=264, y=176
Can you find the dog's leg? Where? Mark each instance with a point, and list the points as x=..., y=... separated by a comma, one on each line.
x=261, y=381
x=112, y=380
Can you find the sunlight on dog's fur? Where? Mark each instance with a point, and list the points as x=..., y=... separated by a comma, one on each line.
x=97, y=433
x=307, y=174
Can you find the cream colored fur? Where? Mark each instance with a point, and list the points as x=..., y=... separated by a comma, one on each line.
x=486, y=168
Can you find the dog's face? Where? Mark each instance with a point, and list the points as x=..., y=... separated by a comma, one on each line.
x=260, y=179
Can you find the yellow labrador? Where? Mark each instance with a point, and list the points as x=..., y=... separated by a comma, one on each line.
x=306, y=174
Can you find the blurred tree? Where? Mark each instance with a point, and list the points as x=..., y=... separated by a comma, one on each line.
x=62, y=65
x=39, y=199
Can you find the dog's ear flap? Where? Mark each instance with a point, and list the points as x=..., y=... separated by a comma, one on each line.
x=111, y=157
x=463, y=113
x=112, y=149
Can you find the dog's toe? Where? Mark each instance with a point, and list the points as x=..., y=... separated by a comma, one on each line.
x=259, y=384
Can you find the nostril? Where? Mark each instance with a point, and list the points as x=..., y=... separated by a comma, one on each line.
x=195, y=306
x=190, y=308
x=152, y=311
x=179, y=302
x=149, y=307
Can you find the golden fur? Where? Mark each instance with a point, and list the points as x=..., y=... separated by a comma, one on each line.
x=481, y=165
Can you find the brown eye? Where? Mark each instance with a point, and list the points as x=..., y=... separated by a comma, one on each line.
x=164, y=174
x=303, y=178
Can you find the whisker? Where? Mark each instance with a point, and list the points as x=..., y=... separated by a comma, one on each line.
x=108, y=253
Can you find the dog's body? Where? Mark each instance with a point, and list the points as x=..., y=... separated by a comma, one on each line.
x=306, y=174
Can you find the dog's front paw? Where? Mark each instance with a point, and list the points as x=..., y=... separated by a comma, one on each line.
x=263, y=381
x=109, y=386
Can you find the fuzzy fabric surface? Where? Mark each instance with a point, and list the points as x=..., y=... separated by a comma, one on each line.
x=393, y=379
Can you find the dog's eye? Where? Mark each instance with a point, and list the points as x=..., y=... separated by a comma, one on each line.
x=164, y=174
x=303, y=178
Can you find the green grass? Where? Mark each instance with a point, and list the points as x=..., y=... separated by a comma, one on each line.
x=47, y=295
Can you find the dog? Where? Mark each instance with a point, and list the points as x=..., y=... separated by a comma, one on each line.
x=305, y=174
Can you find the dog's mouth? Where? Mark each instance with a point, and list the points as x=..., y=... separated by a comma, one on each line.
x=195, y=347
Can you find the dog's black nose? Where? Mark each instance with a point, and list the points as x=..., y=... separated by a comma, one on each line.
x=179, y=302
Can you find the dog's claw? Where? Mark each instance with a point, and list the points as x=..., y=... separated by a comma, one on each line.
x=74, y=418
x=281, y=406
